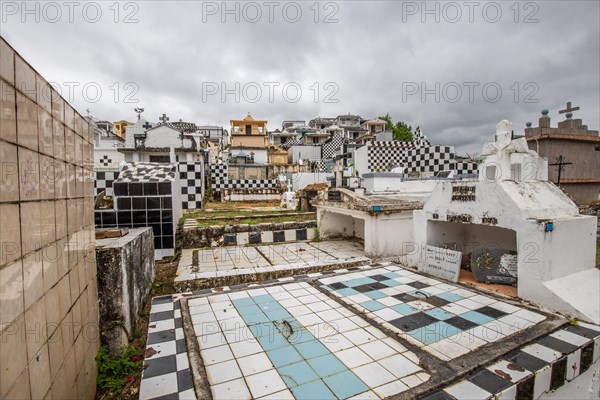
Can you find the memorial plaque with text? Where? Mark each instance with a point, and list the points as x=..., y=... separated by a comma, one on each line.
x=440, y=262
x=334, y=195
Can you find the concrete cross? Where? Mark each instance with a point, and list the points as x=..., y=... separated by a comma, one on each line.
x=164, y=119
x=569, y=109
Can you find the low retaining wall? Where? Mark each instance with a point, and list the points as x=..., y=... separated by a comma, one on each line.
x=125, y=275
x=230, y=235
x=251, y=194
x=265, y=277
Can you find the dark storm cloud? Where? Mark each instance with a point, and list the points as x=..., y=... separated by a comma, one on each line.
x=373, y=57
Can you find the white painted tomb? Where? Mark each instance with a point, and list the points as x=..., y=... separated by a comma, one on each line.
x=513, y=206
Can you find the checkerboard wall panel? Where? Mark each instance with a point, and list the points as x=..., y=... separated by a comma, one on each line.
x=147, y=172
x=290, y=143
x=104, y=181
x=462, y=167
x=429, y=159
x=383, y=156
x=191, y=181
x=328, y=150
x=220, y=180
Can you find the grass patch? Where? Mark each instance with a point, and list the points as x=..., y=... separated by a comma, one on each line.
x=598, y=254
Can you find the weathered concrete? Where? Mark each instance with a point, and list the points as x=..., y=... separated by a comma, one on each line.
x=125, y=275
x=198, y=237
x=264, y=277
x=249, y=194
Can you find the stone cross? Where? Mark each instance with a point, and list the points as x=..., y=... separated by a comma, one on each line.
x=569, y=110
x=164, y=119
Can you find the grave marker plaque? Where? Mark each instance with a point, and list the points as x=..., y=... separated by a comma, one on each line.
x=440, y=262
x=334, y=195
x=495, y=266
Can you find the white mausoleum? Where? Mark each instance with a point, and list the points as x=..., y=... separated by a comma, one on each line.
x=512, y=206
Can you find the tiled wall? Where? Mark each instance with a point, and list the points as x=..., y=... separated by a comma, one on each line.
x=48, y=295
x=220, y=180
x=143, y=204
x=104, y=181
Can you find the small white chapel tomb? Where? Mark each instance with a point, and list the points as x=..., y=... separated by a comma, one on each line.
x=512, y=226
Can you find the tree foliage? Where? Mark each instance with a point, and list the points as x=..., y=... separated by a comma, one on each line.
x=400, y=130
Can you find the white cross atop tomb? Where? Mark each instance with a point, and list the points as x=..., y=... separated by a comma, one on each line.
x=510, y=159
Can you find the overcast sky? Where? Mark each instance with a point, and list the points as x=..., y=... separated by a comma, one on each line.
x=359, y=57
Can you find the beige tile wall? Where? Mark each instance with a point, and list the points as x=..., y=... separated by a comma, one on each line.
x=48, y=294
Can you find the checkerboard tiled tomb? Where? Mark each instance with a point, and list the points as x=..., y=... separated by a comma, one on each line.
x=297, y=338
x=220, y=180
x=140, y=204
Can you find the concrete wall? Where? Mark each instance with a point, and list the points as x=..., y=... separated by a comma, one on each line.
x=312, y=153
x=163, y=136
x=469, y=237
x=228, y=195
x=383, y=235
x=107, y=158
x=582, y=193
x=48, y=296
x=586, y=165
x=249, y=141
x=125, y=275
x=361, y=160
x=301, y=180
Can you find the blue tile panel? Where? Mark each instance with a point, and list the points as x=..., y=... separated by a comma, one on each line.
x=307, y=367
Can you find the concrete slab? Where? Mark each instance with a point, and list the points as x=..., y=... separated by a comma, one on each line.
x=222, y=266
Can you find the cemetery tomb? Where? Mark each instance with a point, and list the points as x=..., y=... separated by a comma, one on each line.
x=368, y=332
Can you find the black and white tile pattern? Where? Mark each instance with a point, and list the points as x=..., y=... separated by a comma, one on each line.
x=166, y=332
x=329, y=149
x=415, y=157
x=191, y=176
x=383, y=156
x=147, y=172
x=220, y=180
x=546, y=364
x=167, y=372
x=105, y=161
x=429, y=159
x=104, y=181
x=527, y=373
x=290, y=143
